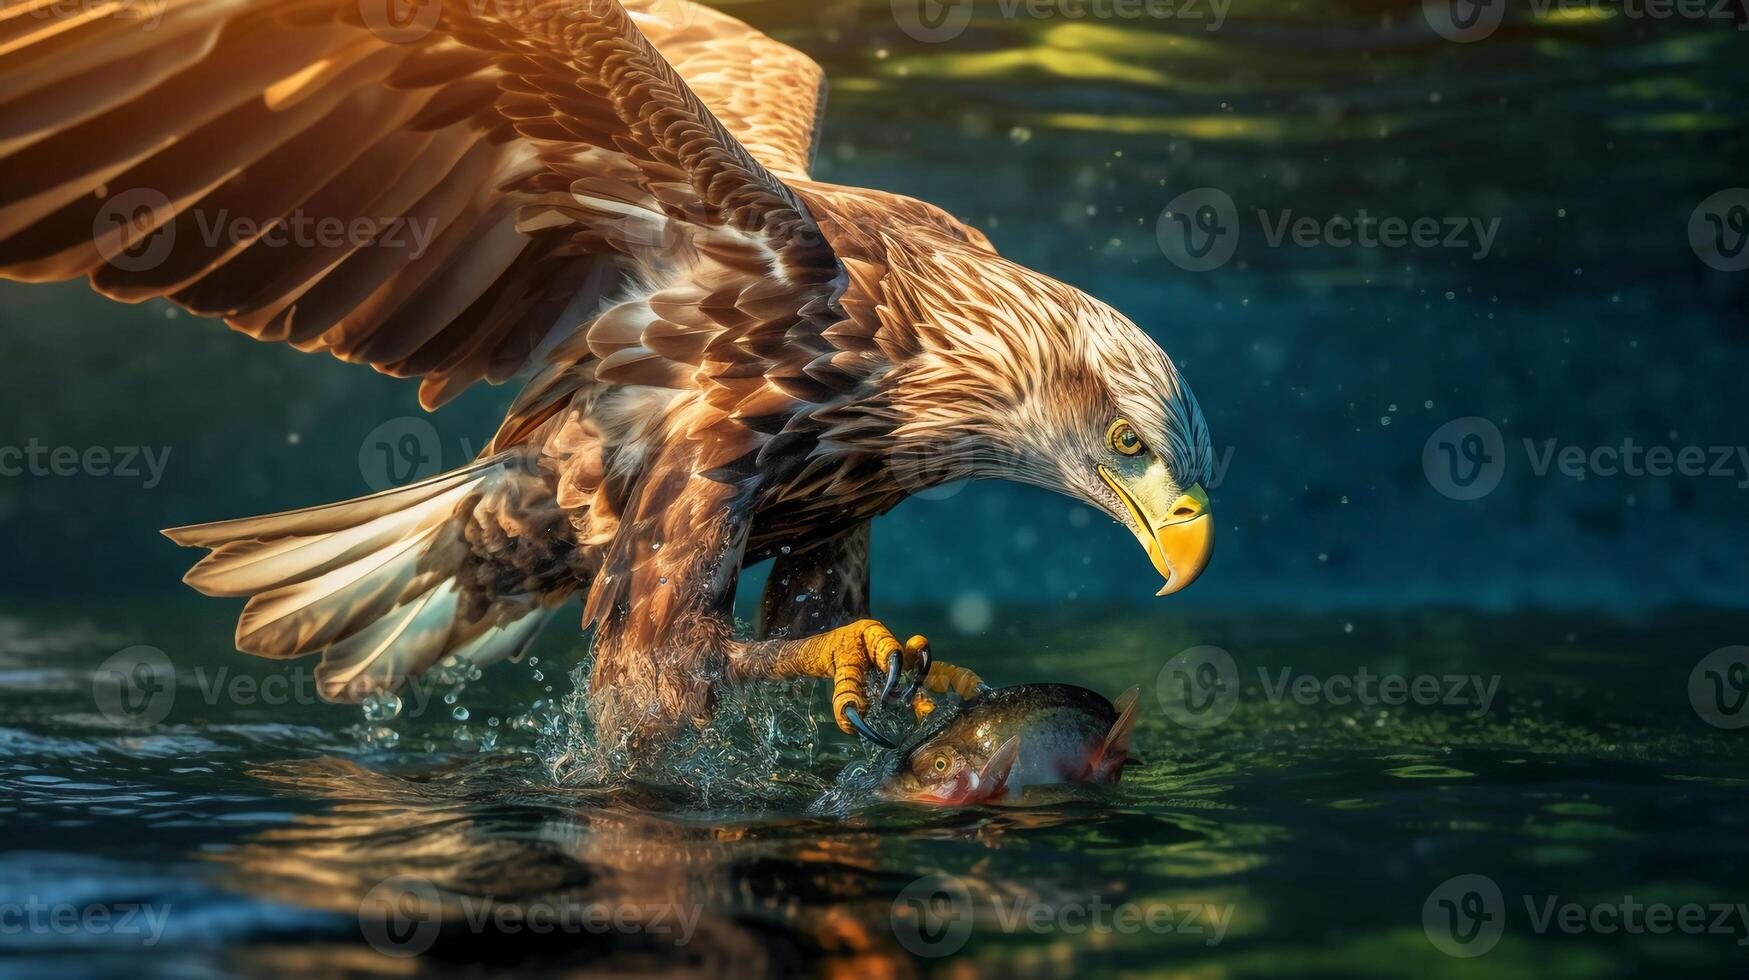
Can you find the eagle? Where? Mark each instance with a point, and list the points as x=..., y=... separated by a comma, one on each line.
x=723, y=361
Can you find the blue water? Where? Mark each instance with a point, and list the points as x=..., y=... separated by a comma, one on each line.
x=1275, y=834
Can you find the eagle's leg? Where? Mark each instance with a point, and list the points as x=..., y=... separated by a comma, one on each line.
x=826, y=587
x=847, y=654
x=818, y=588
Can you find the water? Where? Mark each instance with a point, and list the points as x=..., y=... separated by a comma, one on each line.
x=253, y=830
x=1296, y=836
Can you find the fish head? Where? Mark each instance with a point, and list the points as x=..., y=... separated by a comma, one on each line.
x=947, y=772
x=1007, y=740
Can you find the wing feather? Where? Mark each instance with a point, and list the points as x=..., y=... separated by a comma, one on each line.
x=541, y=148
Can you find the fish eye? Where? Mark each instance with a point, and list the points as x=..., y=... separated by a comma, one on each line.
x=941, y=763
x=1123, y=439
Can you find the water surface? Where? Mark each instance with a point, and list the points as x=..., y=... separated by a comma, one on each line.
x=1295, y=837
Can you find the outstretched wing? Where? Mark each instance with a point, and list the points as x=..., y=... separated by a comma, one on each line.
x=769, y=95
x=442, y=197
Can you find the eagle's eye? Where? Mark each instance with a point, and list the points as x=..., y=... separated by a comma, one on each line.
x=1123, y=440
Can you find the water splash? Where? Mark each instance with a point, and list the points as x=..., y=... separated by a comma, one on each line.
x=762, y=747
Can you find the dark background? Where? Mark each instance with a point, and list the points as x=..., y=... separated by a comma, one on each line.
x=1323, y=371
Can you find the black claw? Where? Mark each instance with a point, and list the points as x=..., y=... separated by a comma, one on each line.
x=862, y=728
x=895, y=663
x=923, y=662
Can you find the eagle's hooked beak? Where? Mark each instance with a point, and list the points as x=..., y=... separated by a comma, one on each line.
x=1178, y=534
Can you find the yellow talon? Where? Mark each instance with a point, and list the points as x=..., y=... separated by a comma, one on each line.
x=847, y=654
x=844, y=656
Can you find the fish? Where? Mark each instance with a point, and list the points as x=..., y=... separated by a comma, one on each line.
x=1007, y=739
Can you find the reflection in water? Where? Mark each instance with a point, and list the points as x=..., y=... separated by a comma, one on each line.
x=1294, y=838
x=480, y=862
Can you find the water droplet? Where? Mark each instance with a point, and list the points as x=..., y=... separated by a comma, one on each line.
x=784, y=549
x=459, y=714
x=449, y=698
x=381, y=706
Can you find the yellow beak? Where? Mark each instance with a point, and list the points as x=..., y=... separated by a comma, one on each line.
x=1179, y=536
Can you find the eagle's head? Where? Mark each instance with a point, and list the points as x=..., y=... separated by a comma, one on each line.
x=1016, y=376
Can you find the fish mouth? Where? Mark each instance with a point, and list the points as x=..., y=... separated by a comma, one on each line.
x=989, y=783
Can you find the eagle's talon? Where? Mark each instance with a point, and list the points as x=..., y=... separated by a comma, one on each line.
x=923, y=664
x=894, y=665
x=847, y=654
x=863, y=728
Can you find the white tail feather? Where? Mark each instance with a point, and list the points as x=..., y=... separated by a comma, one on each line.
x=370, y=583
x=252, y=566
x=390, y=650
x=329, y=517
